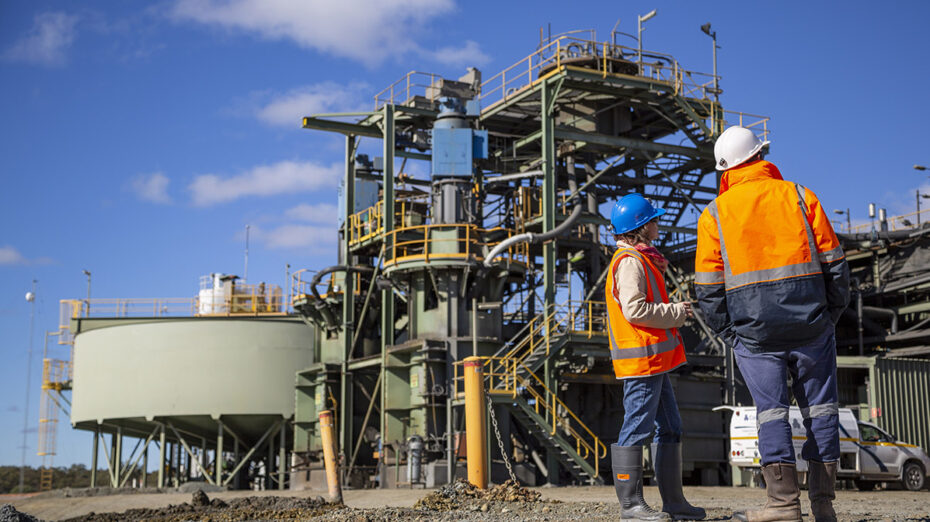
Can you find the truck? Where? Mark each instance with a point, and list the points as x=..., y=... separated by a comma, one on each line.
x=868, y=454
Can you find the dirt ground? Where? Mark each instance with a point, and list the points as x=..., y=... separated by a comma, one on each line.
x=448, y=504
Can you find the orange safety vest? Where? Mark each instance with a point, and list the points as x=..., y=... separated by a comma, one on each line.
x=640, y=351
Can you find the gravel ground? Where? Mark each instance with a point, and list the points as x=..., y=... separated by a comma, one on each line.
x=450, y=503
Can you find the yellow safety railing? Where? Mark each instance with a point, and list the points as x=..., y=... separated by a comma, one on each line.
x=902, y=222
x=301, y=280
x=414, y=83
x=558, y=54
x=579, y=317
x=369, y=223
x=254, y=300
x=449, y=241
x=502, y=378
x=757, y=124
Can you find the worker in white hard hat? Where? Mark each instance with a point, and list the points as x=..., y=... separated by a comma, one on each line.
x=771, y=279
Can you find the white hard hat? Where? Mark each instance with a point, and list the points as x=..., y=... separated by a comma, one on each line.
x=736, y=145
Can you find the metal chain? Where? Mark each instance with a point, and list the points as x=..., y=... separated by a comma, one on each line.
x=500, y=442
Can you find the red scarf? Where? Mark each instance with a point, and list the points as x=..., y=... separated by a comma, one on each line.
x=654, y=255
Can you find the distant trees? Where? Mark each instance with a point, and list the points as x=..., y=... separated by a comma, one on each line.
x=75, y=476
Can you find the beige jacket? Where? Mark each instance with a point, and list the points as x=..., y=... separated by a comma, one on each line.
x=630, y=282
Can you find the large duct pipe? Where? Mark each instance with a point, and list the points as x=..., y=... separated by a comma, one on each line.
x=319, y=303
x=532, y=238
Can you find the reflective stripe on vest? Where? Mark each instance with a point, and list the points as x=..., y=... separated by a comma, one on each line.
x=638, y=351
x=732, y=281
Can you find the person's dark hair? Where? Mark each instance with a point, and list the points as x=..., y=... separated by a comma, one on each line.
x=634, y=237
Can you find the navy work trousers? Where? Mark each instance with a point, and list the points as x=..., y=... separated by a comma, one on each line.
x=813, y=374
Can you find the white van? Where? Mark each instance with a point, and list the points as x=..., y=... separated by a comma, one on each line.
x=868, y=455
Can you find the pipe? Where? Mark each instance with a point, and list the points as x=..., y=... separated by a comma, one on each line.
x=532, y=238
x=883, y=312
x=329, y=456
x=475, y=423
x=890, y=235
x=328, y=316
x=335, y=268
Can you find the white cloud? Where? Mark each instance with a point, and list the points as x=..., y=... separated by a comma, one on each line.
x=45, y=44
x=284, y=177
x=368, y=31
x=468, y=54
x=314, y=237
x=11, y=256
x=152, y=188
x=319, y=213
x=287, y=109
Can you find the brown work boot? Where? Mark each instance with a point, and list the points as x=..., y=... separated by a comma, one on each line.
x=784, y=503
x=821, y=488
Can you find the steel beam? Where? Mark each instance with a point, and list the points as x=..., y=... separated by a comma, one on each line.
x=348, y=296
x=387, y=295
x=342, y=127
x=631, y=143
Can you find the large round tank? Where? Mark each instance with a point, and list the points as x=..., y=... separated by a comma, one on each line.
x=190, y=372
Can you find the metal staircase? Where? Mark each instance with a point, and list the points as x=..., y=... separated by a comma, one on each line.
x=511, y=381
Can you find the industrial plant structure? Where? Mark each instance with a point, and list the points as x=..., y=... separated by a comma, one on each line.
x=499, y=252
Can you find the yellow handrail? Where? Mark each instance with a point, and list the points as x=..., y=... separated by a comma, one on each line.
x=526, y=72
x=579, y=317
x=503, y=378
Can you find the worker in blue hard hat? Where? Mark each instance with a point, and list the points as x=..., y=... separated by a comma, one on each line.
x=644, y=347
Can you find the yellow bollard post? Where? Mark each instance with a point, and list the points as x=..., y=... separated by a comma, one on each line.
x=329, y=455
x=475, y=423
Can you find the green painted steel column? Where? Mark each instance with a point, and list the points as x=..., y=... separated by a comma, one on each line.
x=348, y=297
x=548, y=207
x=387, y=296
x=161, y=457
x=93, y=459
x=117, y=455
x=282, y=455
x=218, y=474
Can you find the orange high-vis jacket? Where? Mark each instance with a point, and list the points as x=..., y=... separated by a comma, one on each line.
x=640, y=351
x=769, y=270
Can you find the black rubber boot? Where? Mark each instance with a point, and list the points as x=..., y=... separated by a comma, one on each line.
x=627, y=463
x=668, y=475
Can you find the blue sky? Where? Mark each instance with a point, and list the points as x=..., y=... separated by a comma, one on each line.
x=138, y=140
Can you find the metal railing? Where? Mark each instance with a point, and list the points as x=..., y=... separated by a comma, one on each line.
x=414, y=83
x=245, y=300
x=502, y=378
x=587, y=318
x=301, y=285
x=902, y=222
x=449, y=241
x=369, y=223
x=757, y=124
x=559, y=52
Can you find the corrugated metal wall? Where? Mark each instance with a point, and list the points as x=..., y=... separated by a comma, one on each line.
x=902, y=392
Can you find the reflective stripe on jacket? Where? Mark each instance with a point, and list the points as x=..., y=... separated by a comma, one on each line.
x=640, y=351
x=769, y=268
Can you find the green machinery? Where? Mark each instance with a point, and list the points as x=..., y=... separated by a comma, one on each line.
x=501, y=252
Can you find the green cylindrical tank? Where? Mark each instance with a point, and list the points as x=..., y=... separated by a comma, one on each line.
x=188, y=371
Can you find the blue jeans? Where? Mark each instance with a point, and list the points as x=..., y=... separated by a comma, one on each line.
x=813, y=375
x=649, y=401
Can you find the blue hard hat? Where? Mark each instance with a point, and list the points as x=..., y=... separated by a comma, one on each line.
x=631, y=212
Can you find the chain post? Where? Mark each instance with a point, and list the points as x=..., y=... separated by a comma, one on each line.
x=500, y=442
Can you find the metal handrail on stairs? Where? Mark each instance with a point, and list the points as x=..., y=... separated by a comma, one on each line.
x=587, y=318
x=503, y=379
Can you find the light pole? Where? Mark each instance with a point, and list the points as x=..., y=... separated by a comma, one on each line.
x=87, y=302
x=716, y=92
x=31, y=299
x=848, y=223
x=919, y=195
x=245, y=276
x=639, y=36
